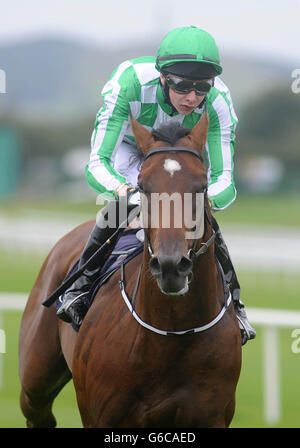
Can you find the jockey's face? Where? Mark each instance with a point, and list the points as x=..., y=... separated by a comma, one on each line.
x=184, y=103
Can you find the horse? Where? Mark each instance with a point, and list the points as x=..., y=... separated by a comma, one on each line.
x=169, y=358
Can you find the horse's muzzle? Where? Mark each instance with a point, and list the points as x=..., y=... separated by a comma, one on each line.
x=171, y=273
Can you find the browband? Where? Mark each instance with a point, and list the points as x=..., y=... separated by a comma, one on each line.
x=173, y=150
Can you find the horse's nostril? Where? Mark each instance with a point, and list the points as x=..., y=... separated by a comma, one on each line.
x=184, y=266
x=155, y=266
x=168, y=265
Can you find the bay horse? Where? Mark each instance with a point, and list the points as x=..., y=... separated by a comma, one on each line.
x=171, y=360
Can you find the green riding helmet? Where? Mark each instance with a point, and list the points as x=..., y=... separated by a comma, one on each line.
x=189, y=52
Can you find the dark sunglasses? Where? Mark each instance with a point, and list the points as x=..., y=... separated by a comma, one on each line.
x=185, y=86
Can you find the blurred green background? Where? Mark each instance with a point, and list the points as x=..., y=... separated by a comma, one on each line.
x=277, y=289
x=47, y=112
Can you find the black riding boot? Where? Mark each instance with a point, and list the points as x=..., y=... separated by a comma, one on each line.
x=222, y=253
x=74, y=305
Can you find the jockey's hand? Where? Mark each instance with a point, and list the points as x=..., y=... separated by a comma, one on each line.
x=121, y=190
x=133, y=197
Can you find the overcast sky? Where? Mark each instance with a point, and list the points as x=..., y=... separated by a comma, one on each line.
x=266, y=27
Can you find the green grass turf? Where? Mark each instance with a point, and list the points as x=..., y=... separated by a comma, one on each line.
x=18, y=272
x=249, y=408
x=265, y=210
x=268, y=290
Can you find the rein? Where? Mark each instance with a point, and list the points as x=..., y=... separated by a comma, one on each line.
x=192, y=254
x=130, y=305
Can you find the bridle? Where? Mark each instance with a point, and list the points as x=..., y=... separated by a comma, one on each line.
x=192, y=254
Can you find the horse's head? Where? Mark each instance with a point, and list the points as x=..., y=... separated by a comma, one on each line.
x=173, y=183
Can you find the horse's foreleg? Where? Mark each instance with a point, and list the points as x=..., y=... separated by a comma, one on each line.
x=38, y=414
x=42, y=367
x=36, y=400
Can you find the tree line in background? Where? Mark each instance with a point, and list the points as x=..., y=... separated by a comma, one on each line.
x=268, y=126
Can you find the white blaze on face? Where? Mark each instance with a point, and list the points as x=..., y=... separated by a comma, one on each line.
x=171, y=166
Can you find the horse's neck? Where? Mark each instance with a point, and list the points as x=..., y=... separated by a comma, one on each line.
x=199, y=306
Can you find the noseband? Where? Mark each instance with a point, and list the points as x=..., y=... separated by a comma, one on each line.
x=192, y=254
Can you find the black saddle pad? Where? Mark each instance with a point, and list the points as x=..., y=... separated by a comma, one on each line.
x=129, y=245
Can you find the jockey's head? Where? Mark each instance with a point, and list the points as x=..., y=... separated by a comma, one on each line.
x=188, y=61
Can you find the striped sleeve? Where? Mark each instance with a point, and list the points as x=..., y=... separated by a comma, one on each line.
x=220, y=148
x=110, y=128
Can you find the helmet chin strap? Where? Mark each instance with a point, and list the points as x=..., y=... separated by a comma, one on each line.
x=165, y=90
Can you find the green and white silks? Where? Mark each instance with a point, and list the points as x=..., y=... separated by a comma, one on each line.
x=134, y=87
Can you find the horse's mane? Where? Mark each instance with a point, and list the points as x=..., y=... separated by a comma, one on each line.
x=170, y=132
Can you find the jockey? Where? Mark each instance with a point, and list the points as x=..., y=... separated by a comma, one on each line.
x=179, y=84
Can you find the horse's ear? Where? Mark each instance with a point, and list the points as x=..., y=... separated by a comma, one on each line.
x=198, y=134
x=143, y=137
